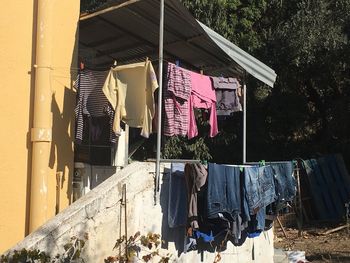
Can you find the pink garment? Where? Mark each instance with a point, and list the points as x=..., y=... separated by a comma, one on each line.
x=202, y=96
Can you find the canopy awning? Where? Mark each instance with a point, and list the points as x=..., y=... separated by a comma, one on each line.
x=128, y=31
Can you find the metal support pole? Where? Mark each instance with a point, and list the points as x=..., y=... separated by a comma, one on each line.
x=244, y=123
x=125, y=222
x=160, y=92
x=300, y=201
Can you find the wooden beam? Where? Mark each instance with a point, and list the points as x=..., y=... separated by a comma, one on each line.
x=106, y=10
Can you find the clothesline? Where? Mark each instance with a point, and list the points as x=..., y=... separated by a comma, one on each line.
x=175, y=161
x=185, y=91
x=216, y=202
x=78, y=69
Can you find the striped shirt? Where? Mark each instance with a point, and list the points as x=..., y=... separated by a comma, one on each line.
x=91, y=101
x=176, y=101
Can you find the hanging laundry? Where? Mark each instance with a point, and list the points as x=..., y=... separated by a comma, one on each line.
x=228, y=93
x=196, y=176
x=177, y=207
x=176, y=101
x=256, y=223
x=92, y=103
x=259, y=192
x=231, y=202
x=285, y=183
x=286, y=187
x=259, y=187
x=129, y=89
x=202, y=97
x=224, y=195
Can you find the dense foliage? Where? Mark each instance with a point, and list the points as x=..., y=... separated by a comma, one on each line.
x=306, y=43
x=308, y=111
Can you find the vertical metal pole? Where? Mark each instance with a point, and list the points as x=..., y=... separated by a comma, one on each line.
x=126, y=160
x=300, y=201
x=126, y=222
x=244, y=123
x=160, y=92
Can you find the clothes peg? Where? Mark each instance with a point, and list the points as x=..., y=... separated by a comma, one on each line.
x=241, y=169
x=114, y=63
x=262, y=163
x=177, y=63
x=146, y=60
x=201, y=71
x=82, y=66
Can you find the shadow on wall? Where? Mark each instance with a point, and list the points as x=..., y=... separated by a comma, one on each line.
x=62, y=139
x=31, y=72
x=63, y=129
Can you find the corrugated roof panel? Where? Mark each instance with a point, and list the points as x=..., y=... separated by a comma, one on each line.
x=186, y=39
x=252, y=65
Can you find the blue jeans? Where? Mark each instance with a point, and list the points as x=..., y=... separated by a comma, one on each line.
x=224, y=195
x=285, y=183
x=259, y=188
x=268, y=185
x=177, y=206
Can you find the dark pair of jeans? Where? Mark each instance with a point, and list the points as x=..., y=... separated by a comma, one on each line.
x=177, y=206
x=224, y=194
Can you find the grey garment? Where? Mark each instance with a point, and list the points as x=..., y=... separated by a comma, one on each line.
x=196, y=176
x=227, y=95
x=225, y=83
x=177, y=206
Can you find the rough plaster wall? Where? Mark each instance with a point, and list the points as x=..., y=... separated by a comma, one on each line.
x=98, y=214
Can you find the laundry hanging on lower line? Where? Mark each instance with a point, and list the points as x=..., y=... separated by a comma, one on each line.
x=226, y=202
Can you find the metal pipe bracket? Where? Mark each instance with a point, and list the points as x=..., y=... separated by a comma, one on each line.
x=41, y=134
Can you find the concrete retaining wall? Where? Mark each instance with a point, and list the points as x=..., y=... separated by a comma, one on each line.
x=98, y=215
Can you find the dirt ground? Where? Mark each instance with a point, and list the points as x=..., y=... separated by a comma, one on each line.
x=334, y=247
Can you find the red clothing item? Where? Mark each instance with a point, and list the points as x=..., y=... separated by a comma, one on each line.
x=203, y=97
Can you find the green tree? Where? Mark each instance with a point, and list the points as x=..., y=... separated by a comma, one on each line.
x=309, y=49
x=90, y=5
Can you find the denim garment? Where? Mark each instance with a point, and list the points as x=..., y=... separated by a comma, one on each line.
x=224, y=195
x=177, y=206
x=267, y=183
x=259, y=188
x=252, y=189
x=285, y=183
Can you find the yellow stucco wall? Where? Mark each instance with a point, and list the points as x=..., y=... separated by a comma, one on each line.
x=17, y=55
